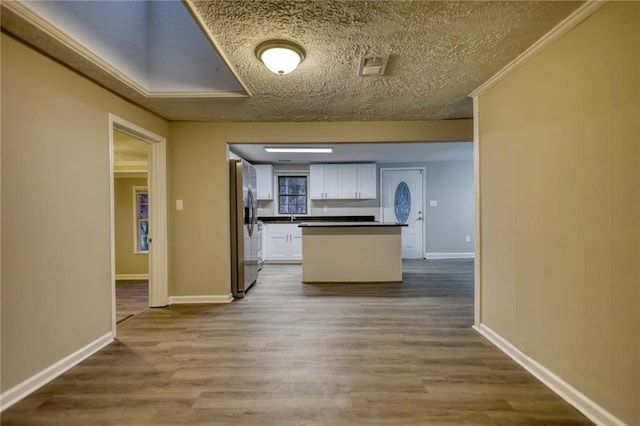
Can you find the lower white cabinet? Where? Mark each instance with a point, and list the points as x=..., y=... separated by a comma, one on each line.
x=284, y=242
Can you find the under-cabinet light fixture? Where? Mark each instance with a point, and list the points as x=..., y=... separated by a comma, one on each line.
x=300, y=150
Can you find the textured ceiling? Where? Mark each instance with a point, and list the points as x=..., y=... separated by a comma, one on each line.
x=440, y=52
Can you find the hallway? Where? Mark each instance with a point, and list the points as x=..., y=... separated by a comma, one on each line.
x=293, y=354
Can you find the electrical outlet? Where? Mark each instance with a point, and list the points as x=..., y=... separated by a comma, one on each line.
x=468, y=238
x=325, y=209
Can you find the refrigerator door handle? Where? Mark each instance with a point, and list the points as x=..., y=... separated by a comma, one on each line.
x=252, y=217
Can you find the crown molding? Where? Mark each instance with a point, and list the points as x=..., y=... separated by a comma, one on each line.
x=42, y=25
x=579, y=15
x=199, y=94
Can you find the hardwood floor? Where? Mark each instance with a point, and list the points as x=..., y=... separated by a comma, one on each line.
x=132, y=297
x=294, y=354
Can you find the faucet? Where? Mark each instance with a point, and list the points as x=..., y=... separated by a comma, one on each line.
x=292, y=217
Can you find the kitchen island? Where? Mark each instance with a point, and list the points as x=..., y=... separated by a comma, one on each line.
x=351, y=252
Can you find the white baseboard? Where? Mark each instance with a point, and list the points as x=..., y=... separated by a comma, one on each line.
x=33, y=383
x=450, y=255
x=132, y=277
x=177, y=300
x=580, y=401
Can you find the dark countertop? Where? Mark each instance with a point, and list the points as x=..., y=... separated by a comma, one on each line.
x=347, y=224
x=306, y=219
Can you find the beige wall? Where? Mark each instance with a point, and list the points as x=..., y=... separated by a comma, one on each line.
x=560, y=216
x=127, y=262
x=199, y=234
x=55, y=210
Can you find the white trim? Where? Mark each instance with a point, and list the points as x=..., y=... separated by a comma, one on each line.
x=179, y=300
x=59, y=36
x=157, y=185
x=449, y=255
x=579, y=15
x=41, y=24
x=199, y=94
x=132, y=277
x=580, y=401
x=112, y=224
x=33, y=383
x=477, y=213
x=158, y=225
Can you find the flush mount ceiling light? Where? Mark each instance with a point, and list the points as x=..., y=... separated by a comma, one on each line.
x=280, y=56
x=300, y=150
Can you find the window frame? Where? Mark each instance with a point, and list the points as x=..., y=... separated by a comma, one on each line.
x=276, y=182
x=136, y=220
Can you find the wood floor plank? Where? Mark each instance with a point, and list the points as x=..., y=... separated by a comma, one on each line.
x=305, y=354
x=132, y=297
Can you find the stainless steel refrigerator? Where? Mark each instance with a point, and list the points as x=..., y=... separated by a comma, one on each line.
x=244, y=228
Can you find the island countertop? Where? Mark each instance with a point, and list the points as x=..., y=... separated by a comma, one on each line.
x=348, y=224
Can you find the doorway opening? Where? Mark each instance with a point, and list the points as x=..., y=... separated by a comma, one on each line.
x=131, y=209
x=138, y=219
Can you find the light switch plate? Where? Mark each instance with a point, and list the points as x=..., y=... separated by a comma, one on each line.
x=433, y=203
x=179, y=205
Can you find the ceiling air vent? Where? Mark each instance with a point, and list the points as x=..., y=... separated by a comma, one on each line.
x=373, y=66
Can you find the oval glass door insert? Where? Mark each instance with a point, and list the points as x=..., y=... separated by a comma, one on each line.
x=402, y=202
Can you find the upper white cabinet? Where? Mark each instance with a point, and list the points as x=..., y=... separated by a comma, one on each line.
x=343, y=181
x=367, y=181
x=358, y=181
x=324, y=181
x=264, y=178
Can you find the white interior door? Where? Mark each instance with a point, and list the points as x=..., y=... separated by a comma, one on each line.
x=402, y=202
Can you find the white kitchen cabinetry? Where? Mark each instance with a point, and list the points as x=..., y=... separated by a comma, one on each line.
x=284, y=242
x=343, y=181
x=324, y=181
x=367, y=181
x=264, y=178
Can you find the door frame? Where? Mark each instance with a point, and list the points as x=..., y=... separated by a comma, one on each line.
x=422, y=169
x=158, y=229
